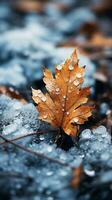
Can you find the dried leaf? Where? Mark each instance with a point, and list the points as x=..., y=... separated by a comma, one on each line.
x=102, y=6
x=28, y=6
x=96, y=43
x=99, y=40
x=76, y=177
x=64, y=106
x=11, y=92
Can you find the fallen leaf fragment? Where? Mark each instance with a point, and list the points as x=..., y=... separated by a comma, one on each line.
x=64, y=106
x=102, y=6
x=28, y=6
x=11, y=92
x=97, y=43
x=99, y=40
x=76, y=177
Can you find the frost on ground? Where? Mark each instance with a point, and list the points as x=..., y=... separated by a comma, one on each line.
x=26, y=50
x=17, y=119
x=42, y=179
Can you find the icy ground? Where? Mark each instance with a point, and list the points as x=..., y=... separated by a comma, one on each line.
x=42, y=179
x=23, y=56
x=32, y=43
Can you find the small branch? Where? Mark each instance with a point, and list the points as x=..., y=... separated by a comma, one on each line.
x=28, y=150
x=14, y=175
x=107, y=121
x=26, y=135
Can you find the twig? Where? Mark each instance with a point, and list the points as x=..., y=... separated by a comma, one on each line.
x=29, y=150
x=26, y=135
x=14, y=175
x=107, y=121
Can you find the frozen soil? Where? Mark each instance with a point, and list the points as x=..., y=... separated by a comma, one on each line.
x=40, y=178
x=32, y=43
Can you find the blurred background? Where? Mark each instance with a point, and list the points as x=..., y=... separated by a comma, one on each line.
x=36, y=34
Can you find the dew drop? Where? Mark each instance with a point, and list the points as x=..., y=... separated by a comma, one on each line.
x=64, y=97
x=35, y=95
x=41, y=137
x=45, y=116
x=43, y=98
x=71, y=67
x=57, y=89
x=59, y=67
x=63, y=105
x=63, y=109
x=67, y=113
x=75, y=119
x=39, y=91
x=76, y=82
x=78, y=75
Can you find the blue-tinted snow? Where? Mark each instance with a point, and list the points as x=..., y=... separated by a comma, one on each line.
x=49, y=180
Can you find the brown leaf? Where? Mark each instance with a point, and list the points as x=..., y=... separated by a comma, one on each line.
x=76, y=177
x=99, y=40
x=38, y=6
x=97, y=43
x=103, y=6
x=10, y=92
x=64, y=106
x=28, y=6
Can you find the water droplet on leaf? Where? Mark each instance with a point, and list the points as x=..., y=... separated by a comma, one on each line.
x=75, y=119
x=59, y=67
x=76, y=82
x=78, y=75
x=39, y=91
x=57, y=89
x=45, y=116
x=71, y=67
x=43, y=98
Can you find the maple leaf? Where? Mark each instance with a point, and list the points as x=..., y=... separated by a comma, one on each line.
x=64, y=106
